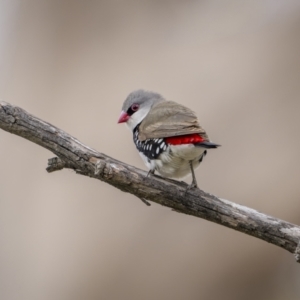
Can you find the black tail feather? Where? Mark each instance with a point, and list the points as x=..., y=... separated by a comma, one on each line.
x=207, y=145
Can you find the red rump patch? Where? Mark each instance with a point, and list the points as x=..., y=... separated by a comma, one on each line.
x=184, y=139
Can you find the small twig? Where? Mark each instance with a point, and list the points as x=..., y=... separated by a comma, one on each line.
x=55, y=164
x=146, y=202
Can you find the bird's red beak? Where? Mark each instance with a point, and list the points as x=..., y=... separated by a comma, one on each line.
x=123, y=117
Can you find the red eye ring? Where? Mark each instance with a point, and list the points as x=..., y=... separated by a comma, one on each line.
x=135, y=107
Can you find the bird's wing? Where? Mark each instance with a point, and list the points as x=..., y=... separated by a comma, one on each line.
x=168, y=119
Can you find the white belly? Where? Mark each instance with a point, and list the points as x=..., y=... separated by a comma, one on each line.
x=174, y=162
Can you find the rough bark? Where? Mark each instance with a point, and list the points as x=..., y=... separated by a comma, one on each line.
x=85, y=161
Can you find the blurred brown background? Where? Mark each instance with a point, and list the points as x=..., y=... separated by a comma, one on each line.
x=72, y=63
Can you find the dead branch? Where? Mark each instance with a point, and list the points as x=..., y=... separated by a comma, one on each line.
x=74, y=155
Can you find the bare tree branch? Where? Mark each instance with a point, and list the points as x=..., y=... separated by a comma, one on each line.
x=85, y=161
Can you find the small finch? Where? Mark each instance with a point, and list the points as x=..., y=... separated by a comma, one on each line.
x=166, y=134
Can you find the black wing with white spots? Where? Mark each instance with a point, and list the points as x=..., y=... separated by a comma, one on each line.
x=151, y=148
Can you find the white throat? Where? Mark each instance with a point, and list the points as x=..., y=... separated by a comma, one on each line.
x=137, y=117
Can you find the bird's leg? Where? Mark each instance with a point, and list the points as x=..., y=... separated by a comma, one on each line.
x=194, y=182
x=150, y=172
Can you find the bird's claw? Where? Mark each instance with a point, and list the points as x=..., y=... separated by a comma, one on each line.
x=150, y=172
x=193, y=185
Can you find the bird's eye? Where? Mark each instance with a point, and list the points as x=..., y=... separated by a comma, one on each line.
x=135, y=107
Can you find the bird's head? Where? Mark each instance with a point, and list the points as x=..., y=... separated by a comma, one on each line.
x=137, y=105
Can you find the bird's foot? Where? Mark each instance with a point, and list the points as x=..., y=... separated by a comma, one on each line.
x=193, y=185
x=150, y=172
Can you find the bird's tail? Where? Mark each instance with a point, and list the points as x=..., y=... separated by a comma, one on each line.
x=207, y=145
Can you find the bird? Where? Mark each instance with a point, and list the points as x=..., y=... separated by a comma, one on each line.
x=167, y=135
